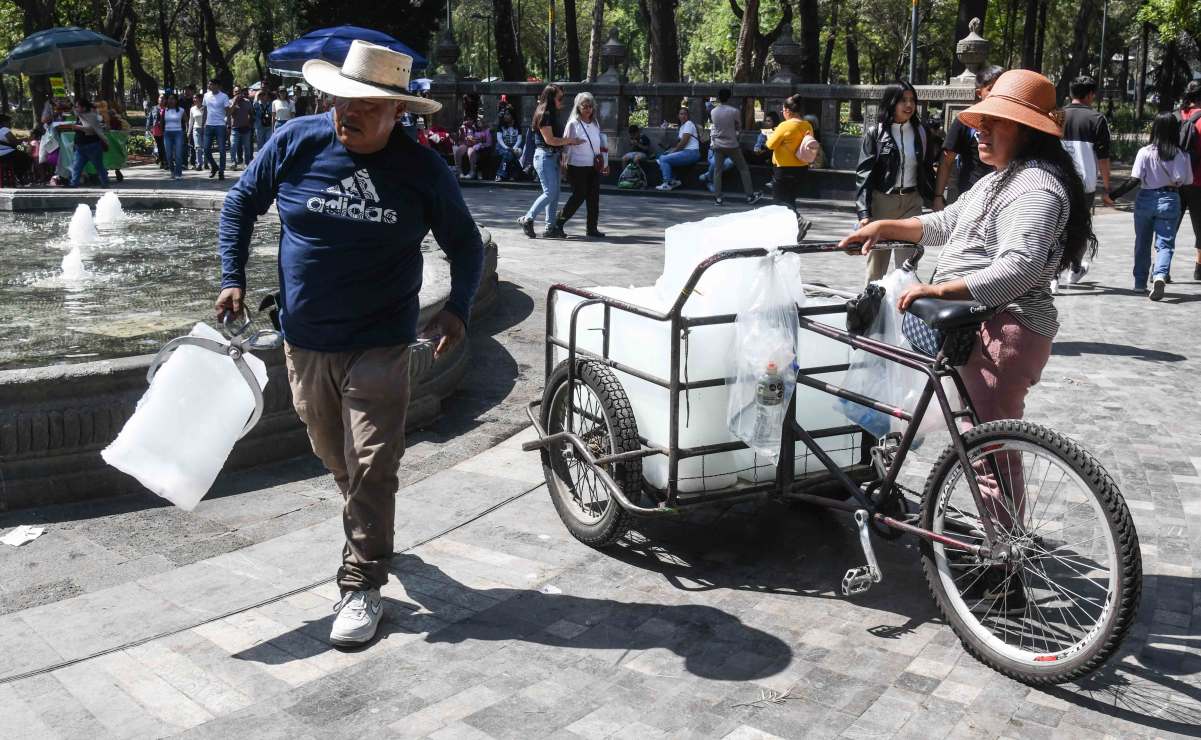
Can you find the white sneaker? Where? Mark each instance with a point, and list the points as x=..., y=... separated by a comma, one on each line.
x=663, y=186
x=359, y=614
x=1157, y=288
x=1075, y=276
x=1055, y=286
x=675, y=184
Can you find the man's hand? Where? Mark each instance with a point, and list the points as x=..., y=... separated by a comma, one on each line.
x=449, y=330
x=229, y=300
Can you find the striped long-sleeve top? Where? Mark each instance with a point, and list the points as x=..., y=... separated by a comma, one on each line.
x=1006, y=249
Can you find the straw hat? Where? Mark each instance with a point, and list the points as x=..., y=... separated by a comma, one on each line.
x=1022, y=96
x=370, y=71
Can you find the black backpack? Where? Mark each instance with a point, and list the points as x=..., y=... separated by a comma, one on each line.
x=1188, y=135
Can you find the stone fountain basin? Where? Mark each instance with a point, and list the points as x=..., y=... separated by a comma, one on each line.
x=54, y=420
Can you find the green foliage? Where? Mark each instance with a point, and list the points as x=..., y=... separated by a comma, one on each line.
x=1172, y=17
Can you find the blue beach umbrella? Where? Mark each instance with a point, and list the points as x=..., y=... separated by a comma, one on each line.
x=331, y=44
x=60, y=50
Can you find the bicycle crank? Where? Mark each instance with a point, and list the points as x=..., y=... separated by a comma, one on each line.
x=858, y=580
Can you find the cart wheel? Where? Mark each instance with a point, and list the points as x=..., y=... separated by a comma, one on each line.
x=1063, y=597
x=603, y=418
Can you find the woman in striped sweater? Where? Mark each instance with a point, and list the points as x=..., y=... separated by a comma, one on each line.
x=1005, y=239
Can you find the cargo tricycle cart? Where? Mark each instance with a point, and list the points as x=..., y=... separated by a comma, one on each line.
x=1028, y=548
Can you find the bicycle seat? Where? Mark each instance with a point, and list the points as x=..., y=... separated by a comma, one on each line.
x=943, y=314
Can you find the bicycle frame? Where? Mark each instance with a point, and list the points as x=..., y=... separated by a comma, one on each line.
x=785, y=484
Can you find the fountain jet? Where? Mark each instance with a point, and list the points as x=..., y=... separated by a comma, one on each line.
x=82, y=230
x=109, y=211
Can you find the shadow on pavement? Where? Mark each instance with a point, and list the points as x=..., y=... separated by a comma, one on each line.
x=713, y=644
x=1076, y=349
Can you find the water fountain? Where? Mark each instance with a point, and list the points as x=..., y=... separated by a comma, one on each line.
x=109, y=211
x=81, y=233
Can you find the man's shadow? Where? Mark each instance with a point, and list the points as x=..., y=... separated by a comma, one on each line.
x=713, y=644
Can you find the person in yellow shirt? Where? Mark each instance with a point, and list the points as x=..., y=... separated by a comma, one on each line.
x=783, y=142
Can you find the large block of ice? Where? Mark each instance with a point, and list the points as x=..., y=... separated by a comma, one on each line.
x=186, y=423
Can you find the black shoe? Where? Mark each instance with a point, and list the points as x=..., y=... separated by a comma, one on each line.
x=120, y=177
x=554, y=232
x=754, y=198
x=717, y=201
x=1197, y=271
x=212, y=174
x=1167, y=278
x=220, y=175
x=595, y=234
x=527, y=225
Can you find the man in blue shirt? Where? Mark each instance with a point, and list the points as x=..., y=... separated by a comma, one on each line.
x=355, y=196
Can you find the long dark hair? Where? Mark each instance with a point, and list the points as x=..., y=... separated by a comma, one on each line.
x=1039, y=149
x=1164, y=130
x=546, y=101
x=888, y=102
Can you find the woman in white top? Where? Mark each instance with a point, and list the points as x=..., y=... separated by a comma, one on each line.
x=584, y=169
x=175, y=119
x=196, y=131
x=1162, y=168
x=282, y=109
x=685, y=153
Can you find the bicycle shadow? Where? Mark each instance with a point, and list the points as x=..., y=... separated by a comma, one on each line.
x=1152, y=680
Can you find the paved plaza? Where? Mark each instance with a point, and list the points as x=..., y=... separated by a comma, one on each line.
x=130, y=618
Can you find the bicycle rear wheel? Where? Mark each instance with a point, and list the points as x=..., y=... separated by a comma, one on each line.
x=1059, y=601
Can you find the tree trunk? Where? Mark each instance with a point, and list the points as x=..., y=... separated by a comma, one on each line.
x=508, y=52
x=1042, y=35
x=1029, y=34
x=1140, y=85
x=1079, y=56
x=1166, y=81
x=828, y=54
x=38, y=15
x=968, y=9
x=748, y=32
x=264, y=22
x=146, y=81
x=596, y=40
x=164, y=36
x=811, y=29
x=665, y=44
x=121, y=82
x=212, y=46
x=572, y=30
x=644, y=19
x=1011, y=20
x=853, y=77
x=106, y=80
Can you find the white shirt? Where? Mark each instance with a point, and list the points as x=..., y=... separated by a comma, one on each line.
x=195, y=117
x=215, y=106
x=580, y=155
x=688, y=127
x=282, y=109
x=173, y=119
x=907, y=173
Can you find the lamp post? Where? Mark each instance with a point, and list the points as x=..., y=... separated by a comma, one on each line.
x=913, y=44
x=1101, y=56
x=550, y=43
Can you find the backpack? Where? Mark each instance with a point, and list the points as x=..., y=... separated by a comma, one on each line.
x=1188, y=135
x=632, y=177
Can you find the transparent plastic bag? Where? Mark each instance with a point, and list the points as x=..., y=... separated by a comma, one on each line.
x=878, y=378
x=765, y=340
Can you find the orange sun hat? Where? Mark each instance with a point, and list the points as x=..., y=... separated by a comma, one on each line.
x=1022, y=96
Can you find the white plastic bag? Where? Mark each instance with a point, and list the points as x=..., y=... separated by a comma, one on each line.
x=878, y=378
x=765, y=363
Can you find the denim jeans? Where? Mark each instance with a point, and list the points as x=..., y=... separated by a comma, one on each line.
x=509, y=164
x=546, y=164
x=176, y=151
x=214, y=134
x=1156, y=213
x=241, y=145
x=198, y=146
x=84, y=154
x=261, y=135
x=681, y=158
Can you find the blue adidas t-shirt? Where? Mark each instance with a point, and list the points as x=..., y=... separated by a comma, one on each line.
x=350, y=244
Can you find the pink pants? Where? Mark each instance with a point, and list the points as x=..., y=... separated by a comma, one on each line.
x=1003, y=367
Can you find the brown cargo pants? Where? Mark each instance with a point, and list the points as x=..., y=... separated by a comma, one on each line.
x=353, y=405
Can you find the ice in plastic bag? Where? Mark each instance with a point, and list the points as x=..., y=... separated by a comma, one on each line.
x=877, y=377
x=187, y=422
x=765, y=362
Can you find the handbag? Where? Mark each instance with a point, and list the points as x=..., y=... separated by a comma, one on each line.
x=956, y=345
x=598, y=161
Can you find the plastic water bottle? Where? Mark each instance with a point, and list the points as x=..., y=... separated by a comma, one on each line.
x=769, y=396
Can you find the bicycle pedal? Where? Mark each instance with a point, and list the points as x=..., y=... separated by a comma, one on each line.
x=859, y=580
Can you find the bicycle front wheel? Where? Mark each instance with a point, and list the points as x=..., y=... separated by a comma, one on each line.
x=1056, y=598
